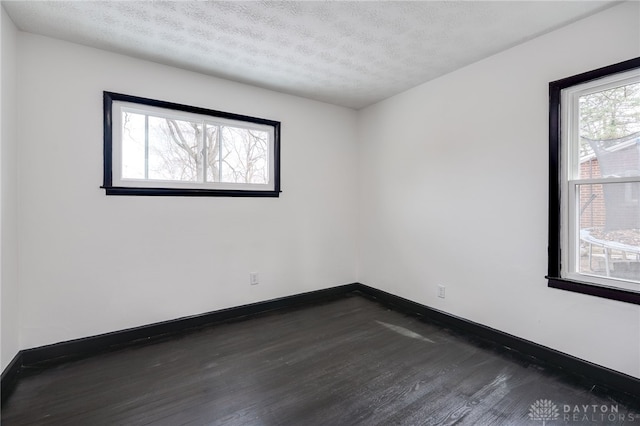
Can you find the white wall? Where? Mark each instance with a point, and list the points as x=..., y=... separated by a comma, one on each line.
x=8, y=195
x=91, y=263
x=453, y=188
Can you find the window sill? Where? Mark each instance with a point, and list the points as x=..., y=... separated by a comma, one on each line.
x=187, y=192
x=595, y=290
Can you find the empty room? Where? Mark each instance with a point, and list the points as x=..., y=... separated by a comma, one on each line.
x=320, y=213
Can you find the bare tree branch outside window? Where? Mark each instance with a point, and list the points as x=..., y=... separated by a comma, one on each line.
x=180, y=150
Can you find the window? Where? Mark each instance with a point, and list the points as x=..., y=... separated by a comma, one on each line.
x=594, y=182
x=160, y=148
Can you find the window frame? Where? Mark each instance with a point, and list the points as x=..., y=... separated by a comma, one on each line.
x=112, y=150
x=557, y=182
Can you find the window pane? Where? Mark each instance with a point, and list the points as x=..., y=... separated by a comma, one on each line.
x=245, y=155
x=609, y=123
x=213, y=153
x=133, y=146
x=174, y=149
x=610, y=230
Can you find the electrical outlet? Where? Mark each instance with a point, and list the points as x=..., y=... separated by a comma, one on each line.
x=441, y=289
x=253, y=278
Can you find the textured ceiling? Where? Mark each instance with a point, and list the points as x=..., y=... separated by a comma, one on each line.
x=347, y=53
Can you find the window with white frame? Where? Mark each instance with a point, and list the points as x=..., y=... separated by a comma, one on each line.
x=594, y=216
x=160, y=148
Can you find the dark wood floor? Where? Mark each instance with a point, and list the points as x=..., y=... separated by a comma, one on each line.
x=347, y=362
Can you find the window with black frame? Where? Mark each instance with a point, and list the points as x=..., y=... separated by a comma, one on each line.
x=155, y=147
x=594, y=185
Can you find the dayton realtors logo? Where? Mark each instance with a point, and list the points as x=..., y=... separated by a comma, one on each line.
x=545, y=410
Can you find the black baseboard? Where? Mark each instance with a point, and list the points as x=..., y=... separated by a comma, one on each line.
x=36, y=359
x=45, y=356
x=584, y=372
x=10, y=376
